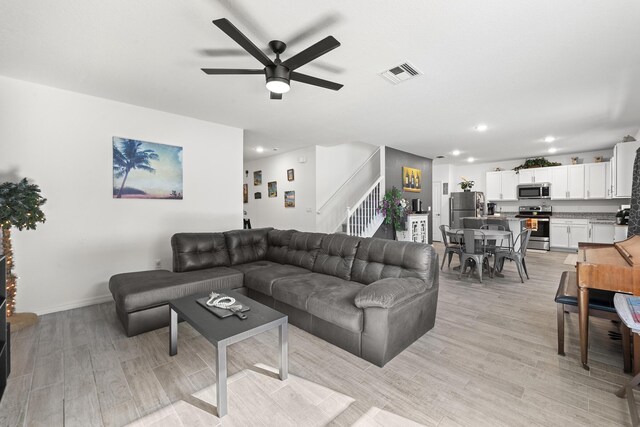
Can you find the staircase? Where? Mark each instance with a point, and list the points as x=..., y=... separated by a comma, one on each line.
x=352, y=209
x=363, y=220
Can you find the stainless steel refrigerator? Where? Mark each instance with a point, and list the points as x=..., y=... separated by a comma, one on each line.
x=465, y=204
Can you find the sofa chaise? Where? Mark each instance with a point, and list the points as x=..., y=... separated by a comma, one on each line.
x=371, y=297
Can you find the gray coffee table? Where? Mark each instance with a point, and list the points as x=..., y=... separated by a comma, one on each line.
x=224, y=332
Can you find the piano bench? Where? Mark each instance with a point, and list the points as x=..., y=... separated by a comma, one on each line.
x=600, y=305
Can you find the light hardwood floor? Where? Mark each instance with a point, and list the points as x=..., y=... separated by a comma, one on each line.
x=490, y=360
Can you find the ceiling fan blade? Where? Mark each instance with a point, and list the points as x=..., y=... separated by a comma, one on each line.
x=242, y=40
x=309, y=54
x=320, y=24
x=275, y=95
x=303, y=78
x=231, y=71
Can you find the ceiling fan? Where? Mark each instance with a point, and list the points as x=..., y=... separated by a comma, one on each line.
x=278, y=73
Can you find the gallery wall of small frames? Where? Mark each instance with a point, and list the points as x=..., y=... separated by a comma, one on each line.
x=272, y=189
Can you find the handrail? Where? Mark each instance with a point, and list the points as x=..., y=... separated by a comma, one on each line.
x=348, y=180
x=366, y=194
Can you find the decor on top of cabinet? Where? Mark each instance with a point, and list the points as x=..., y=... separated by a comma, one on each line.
x=245, y=193
x=289, y=199
x=290, y=175
x=574, y=160
x=134, y=160
x=411, y=179
x=394, y=209
x=272, y=188
x=257, y=178
x=598, y=159
x=538, y=162
x=466, y=184
x=628, y=138
x=19, y=207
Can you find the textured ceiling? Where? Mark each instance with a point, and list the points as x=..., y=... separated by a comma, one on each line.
x=527, y=69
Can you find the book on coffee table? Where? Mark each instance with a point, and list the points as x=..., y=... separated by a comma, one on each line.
x=220, y=312
x=634, y=307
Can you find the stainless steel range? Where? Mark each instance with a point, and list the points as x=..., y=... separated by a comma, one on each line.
x=538, y=220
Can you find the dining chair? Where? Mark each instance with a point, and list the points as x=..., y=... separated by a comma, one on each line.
x=474, y=223
x=518, y=256
x=492, y=245
x=473, y=249
x=450, y=248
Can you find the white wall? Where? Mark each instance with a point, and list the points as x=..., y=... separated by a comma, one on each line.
x=336, y=164
x=61, y=141
x=270, y=212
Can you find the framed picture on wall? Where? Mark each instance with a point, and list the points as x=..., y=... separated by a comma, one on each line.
x=411, y=179
x=290, y=176
x=257, y=195
x=272, y=188
x=146, y=170
x=257, y=178
x=245, y=193
x=289, y=199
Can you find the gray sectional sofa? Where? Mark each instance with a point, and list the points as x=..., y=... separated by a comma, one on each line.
x=371, y=297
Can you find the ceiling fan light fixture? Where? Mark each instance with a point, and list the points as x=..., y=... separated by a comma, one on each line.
x=278, y=85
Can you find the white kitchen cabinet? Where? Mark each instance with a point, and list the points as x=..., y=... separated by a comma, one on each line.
x=567, y=233
x=559, y=182
x=602, y=233
x=501, y=185
x=595, y=179
x=559, y=234
x=624, y=155
x=567, y=182
x=535, y=175
x=620, y=232
x=578, y=232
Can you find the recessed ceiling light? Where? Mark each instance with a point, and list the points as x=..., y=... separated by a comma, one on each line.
x=259, y=149
x=549, y=139
x=481, y=127
x=470, y=159
x=552, y=150
x=456, y=152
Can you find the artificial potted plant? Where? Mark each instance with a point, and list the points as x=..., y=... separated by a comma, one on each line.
x=466, y=184
x=19, y=207
x=394, y=208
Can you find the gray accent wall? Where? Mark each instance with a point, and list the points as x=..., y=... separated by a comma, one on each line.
x=394, y=161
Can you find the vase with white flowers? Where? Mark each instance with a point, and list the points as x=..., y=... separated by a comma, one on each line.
x=466, y=184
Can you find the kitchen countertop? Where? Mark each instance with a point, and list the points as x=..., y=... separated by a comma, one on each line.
x=593, y=217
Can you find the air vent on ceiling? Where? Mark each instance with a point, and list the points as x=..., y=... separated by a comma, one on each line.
x=401, y=73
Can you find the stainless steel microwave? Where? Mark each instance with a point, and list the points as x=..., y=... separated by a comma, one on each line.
x=534, y=191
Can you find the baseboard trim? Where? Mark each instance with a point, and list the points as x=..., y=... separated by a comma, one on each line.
x=75, y=304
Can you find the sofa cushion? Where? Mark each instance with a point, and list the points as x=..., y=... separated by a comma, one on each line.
x=303, y=249
x=196, y=251
x=336, y=255
x=295, y=290
x=335, y=304
x=380, y=259
x=247, y=245
x=262, y=280
x=387, y=293
x=278, y=244
x=145, y=289
x=251, y=266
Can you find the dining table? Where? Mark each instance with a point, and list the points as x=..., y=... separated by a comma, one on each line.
x=487, y=234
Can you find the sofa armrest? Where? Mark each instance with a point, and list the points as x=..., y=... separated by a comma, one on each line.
x=386, y=293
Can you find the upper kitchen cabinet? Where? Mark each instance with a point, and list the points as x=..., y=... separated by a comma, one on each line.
x=567, y=182
x=534, y=176
x=502, y=185
x=624, y=154
x=596, y=181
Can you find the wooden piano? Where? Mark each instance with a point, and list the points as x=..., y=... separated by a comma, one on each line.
x=612, y=267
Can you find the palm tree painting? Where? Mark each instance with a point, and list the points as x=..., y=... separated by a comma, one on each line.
x=146, y=170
